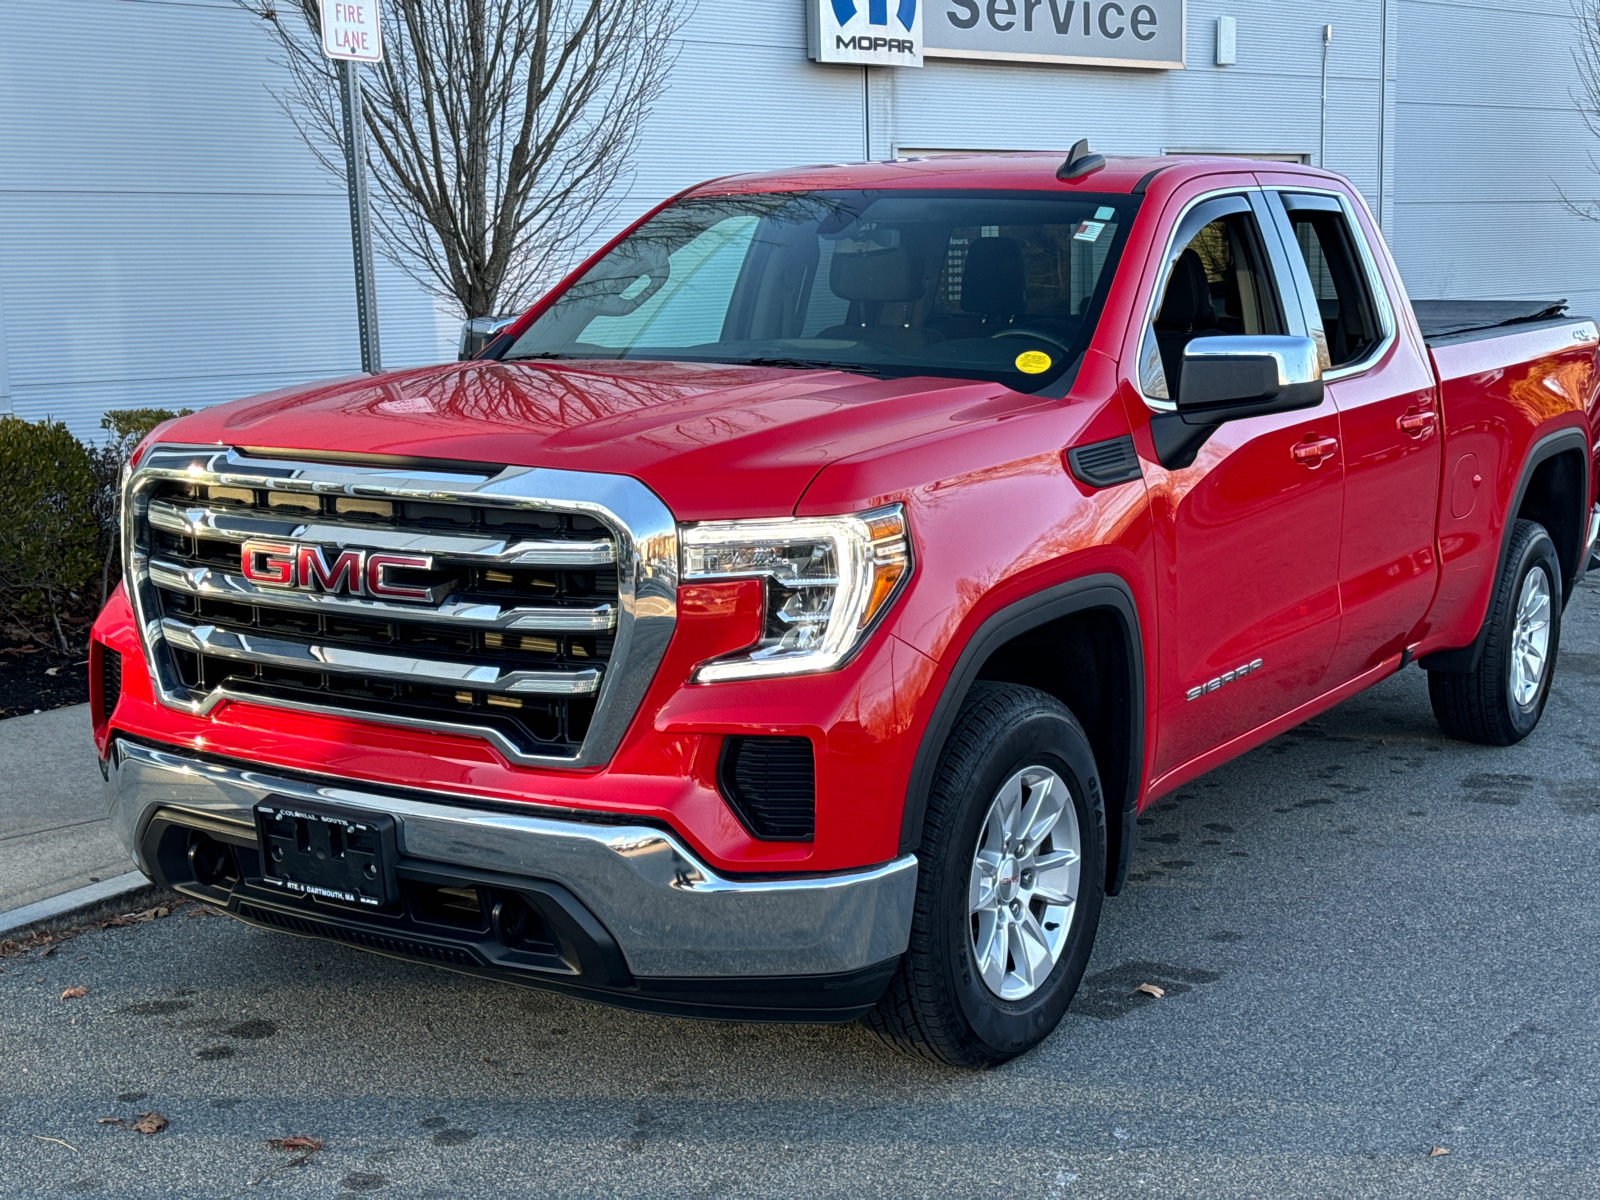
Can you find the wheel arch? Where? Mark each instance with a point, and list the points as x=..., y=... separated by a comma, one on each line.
x=1090, y=621
x=1552, y=489
x=1547, y=497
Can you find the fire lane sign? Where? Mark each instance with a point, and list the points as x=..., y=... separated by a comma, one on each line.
x=350, y=30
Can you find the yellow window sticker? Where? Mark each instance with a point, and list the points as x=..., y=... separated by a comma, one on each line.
x=1033, y=362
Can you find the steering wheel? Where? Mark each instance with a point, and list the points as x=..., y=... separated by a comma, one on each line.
x=1038, y=336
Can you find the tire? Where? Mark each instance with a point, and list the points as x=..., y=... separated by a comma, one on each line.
x=939, y=1004
x=1486, y=705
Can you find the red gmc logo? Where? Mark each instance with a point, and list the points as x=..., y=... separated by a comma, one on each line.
x=353, y=573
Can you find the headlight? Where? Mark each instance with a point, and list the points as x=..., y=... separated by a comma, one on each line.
x=827, y=579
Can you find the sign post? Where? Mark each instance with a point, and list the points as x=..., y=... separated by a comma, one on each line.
x=351, y=35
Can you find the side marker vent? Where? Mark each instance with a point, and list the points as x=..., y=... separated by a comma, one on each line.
x=1105, y=464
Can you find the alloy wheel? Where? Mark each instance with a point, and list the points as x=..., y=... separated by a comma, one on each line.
x=1023, y=885
x=1530, y=639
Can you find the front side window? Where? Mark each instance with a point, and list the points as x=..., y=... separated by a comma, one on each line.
x=1218, y=285
x=1338, y=279
x=1005, y=286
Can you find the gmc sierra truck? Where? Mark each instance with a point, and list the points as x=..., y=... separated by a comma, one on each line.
x=787, y=618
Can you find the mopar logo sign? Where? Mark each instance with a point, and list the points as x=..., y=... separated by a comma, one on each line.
x=882, y=32
x=1099, y=33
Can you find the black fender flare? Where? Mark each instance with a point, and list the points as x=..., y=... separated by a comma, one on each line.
x=1563, y=441
x=1104, y=591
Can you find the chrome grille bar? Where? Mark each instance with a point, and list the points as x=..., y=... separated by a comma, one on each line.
x=194, y=520
x=376, y=664
x=219, y=585
x=583, y=658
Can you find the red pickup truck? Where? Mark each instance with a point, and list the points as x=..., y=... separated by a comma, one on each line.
x=787, y=618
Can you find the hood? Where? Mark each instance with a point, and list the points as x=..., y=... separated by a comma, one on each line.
x=711, y=440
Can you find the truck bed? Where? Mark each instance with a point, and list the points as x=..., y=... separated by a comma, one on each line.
x=1470, y=319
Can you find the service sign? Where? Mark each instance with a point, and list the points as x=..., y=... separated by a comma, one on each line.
x=884, y=33
x=1101, y=33
x=350, y=30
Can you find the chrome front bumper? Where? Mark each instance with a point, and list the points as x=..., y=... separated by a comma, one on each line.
x=671, y=915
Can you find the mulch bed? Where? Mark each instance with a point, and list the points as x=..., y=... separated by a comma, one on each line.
x=26, y=680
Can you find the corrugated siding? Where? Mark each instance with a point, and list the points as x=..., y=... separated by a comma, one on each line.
x=744, y=96
x=1487, y=134
x=166, y=239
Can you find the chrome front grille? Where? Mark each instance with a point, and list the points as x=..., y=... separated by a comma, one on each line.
x=543, y=609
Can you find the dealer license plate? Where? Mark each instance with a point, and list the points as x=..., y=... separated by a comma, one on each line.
x=328, y=852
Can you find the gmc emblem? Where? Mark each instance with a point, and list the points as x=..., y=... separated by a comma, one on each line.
x=353, y=573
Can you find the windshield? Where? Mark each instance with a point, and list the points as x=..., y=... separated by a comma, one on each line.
x=1003, y=286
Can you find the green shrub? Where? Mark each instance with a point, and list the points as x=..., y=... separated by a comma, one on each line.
x=128, y=426
x=60, y=508
x=50, y=549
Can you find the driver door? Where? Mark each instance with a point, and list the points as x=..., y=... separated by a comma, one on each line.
x=1248, y=534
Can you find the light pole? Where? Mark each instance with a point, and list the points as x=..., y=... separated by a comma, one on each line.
x=1322, y=147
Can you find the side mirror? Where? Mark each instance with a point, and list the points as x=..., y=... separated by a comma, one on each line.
x=479, y=332
x=1230, y=378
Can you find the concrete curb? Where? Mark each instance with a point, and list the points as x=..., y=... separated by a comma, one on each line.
x=67, y=902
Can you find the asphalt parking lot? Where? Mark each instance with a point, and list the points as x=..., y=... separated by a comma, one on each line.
x=1373, y=943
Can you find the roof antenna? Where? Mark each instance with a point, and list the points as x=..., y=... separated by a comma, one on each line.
x=1080, y=162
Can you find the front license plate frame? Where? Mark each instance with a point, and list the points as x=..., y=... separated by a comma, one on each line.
x=325, y=851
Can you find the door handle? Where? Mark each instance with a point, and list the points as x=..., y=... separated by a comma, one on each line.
x=1312, y=451
x=1417, y=425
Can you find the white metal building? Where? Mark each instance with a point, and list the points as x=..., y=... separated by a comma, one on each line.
x=166, y=240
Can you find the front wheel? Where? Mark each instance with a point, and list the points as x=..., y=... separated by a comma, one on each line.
x=1500, y=701
x=1010, y=880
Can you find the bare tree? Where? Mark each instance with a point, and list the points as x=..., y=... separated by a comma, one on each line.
x=500, y=133
x=1586, y=55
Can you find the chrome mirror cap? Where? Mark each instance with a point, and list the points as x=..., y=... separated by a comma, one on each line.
x=1229, y=378
x=1296, y=358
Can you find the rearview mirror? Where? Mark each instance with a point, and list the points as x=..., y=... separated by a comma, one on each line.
x=1230, y=378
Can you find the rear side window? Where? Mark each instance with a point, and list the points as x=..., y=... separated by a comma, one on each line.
x=1338, y=278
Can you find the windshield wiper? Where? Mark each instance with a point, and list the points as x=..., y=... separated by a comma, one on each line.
x=535, y=354
x=808, y=364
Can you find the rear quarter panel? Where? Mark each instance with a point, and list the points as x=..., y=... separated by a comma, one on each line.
x=1499, y=397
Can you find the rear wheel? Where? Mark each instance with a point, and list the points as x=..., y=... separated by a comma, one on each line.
x=1500, y=702
x=1010, y=880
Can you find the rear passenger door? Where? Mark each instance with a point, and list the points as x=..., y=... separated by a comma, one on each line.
x=1389, y=429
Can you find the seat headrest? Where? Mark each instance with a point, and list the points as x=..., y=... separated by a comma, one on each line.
x=876, y=276
x=993, y=283
x=1188, y=299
